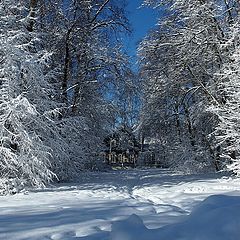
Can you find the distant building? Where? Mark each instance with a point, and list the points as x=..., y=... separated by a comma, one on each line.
x=123, y=149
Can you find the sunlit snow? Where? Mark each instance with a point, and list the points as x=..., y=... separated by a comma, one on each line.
x=126, y=205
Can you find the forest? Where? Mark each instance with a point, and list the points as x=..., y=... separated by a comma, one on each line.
x=67, y=82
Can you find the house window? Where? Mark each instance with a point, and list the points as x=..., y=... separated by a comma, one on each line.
x=113, y=143
x=130, y=143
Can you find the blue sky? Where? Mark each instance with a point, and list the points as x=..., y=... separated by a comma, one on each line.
x=142, y=20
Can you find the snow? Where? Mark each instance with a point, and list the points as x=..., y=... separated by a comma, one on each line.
x=217, y=217
x=125, y=205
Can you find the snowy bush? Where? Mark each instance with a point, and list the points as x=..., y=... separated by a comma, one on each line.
x=11, y=186
x=191, y=160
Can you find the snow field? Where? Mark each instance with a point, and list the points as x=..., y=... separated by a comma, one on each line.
x=136, y=204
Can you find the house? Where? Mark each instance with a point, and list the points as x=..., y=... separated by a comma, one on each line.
x=122, y=148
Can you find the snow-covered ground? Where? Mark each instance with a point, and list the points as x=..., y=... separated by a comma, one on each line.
x=127, y=205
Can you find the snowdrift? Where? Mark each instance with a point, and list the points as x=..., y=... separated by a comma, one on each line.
x=215, y=218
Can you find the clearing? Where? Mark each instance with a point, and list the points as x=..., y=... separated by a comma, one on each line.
x=126, y=205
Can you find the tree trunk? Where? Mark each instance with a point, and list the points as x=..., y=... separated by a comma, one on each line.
x=189, y=125
x=32, y=14
x=66, y=68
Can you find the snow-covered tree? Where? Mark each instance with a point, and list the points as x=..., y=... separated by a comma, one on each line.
x=88, y=58
x=226, y=134
x=24, y=98
x=179, y=59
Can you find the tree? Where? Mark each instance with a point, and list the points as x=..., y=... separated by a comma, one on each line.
x=179, y=60
x=88, y=58
x=226, y=134
x=24, y=158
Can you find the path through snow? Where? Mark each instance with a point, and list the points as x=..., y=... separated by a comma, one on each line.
x=88, y=209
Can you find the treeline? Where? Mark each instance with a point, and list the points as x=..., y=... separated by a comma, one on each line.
x=65, y=81
x=190, y=65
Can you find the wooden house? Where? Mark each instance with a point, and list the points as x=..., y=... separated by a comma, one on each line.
x=122, y=148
